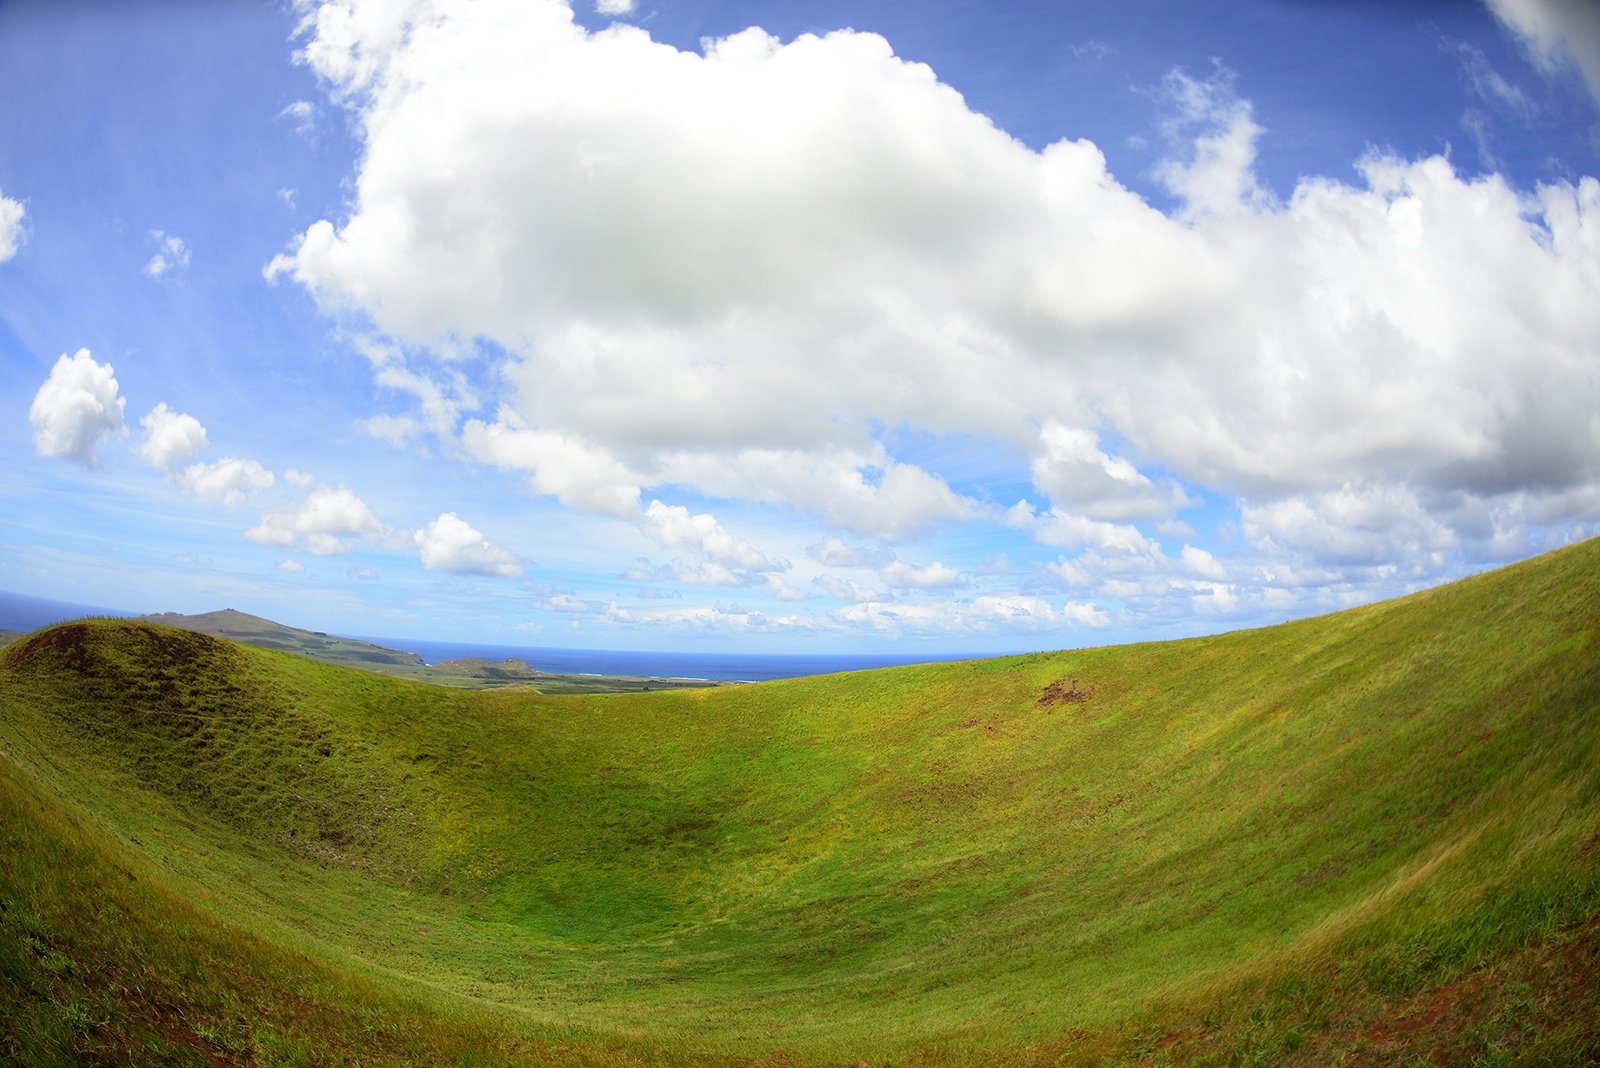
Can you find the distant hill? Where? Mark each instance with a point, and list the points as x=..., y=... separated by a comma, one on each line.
x=478, y=667
x=469, y=672
x=1369, y=838
x=253, y=630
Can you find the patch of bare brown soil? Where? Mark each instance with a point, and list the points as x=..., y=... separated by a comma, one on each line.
x=1061, y=692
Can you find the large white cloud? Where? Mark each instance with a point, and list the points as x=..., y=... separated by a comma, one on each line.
x=76, y=407
x=451, y=545
x=724, y=271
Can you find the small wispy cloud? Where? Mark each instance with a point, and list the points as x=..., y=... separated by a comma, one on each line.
x=11, y=228
x=1489, y=84
x=303, y=114
x=171, y=254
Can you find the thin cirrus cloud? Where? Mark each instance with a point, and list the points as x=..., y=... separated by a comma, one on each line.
x=848, y=591
x=835, y=552
x=721, y=271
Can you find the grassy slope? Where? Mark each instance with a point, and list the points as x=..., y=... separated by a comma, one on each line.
x=1270, y=844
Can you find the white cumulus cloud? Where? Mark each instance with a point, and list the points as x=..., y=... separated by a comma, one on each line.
x=935, y=576
x=76, y=407
x=229, y=480
x=324, y=523
x=170, y=437
x=451, y=545
x=673, y=527
x=1081, y=479
x=1202, y=563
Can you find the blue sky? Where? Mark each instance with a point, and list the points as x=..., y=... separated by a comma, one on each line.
x=946, y=326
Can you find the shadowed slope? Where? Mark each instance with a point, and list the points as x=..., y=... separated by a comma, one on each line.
x=1269, y=830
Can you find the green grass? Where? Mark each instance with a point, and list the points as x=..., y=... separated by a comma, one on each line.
x=1268, y=846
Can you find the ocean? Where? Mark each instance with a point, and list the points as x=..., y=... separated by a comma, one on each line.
x=24, y=613
x=731, y=667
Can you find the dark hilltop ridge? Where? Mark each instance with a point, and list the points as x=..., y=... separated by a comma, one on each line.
x=1369, y=838
x=265, y=634
x=469, y=673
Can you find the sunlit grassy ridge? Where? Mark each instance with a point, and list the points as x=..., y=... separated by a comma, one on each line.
x=1256, y=845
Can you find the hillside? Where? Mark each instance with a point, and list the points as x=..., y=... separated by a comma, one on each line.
x=1371, y=837
x=264, y=633
x=473, y=673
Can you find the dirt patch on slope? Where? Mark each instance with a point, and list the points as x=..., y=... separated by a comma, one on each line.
x=1063, y=692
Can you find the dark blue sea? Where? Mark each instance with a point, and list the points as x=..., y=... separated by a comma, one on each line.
x=18, y=611
x=733, y=667
x=21, y=612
